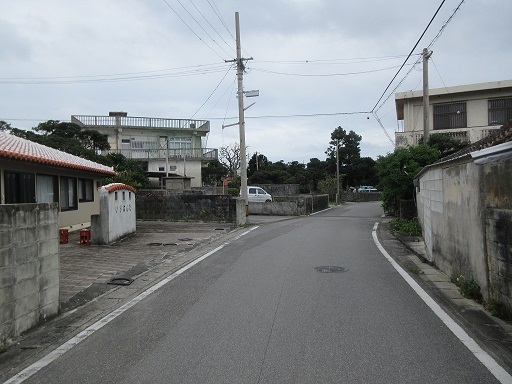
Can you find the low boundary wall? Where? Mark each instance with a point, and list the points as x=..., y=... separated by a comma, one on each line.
x=157, y=205
x=291, y=205
x=29, y=266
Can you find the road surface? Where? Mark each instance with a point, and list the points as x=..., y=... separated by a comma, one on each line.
x=304, y=300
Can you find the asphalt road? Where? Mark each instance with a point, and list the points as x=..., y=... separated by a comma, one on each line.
x=257, y=311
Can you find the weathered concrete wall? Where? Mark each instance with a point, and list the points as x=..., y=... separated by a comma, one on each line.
x=29, y=266
x=156, y=205
x=497, y=195
x=465, y=210
x=280, y=189
x=359, y=197
x=291, y=205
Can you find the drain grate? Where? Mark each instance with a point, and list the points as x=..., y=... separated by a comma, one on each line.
x=120, y=280
x=154, y=244
x=330, y=269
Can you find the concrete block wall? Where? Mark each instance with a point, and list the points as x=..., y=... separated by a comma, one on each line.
x=29, y=266
x=157, y=205
x=465, y=210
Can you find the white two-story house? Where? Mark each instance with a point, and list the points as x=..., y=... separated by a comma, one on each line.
x=171, y=151
x=466, y=112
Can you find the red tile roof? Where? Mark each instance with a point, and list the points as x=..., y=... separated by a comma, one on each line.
x=118, y=186
x=13, y=147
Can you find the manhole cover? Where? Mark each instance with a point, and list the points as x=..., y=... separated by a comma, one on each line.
x=120, y=280
x=329, y=269
x=154, y=244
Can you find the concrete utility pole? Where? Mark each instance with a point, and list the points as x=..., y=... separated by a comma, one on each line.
x=426, y=103
x=241, y=117
x=337, y=172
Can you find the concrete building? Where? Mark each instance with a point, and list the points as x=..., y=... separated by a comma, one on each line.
x=34, y=173
x=172, y=151
x=467, y=112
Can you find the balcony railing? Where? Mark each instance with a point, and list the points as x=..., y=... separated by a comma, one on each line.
x=202, y=154
x=93, y=122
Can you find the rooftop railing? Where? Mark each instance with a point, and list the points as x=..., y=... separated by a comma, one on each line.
x=139, y=122
x=203, y=154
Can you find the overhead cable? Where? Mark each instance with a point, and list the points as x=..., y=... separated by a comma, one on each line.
x=191, y=30
x=410, y=54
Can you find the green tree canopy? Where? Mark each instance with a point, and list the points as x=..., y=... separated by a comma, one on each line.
x=128, y=171
x=213, y=173
x=397, y=170
x=69, y=138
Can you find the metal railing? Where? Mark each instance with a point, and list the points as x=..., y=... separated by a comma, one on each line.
x=139, y=122
x=203, y=154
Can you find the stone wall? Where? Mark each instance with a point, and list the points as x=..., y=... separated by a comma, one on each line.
x=29, y=266
x=156, y=205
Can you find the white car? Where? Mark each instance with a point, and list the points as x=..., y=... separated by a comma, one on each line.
x=257, y=195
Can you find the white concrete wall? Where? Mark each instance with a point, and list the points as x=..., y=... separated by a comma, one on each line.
x=117, y=217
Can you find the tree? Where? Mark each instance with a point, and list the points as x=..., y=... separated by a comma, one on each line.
x=363, y=171
x=397, y=170
x=316, y=171
x=69, y=138
x=229, y=156
x=445, y=144
x=4, y=126
x=129, y=171
x=213, y=173
x=348, y=151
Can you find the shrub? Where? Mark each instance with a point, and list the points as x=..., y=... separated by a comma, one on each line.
x=469, y=288
x=405, y=227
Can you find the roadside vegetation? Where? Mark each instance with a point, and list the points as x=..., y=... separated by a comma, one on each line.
x=405, y=227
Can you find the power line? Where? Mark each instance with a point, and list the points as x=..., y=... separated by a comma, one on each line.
x=137, y=76
x=212, y=92
x=200, y=26
x=409, y=55
x=217, y=13
x=210, y=24
x=322, y=74
x=333, y=61
x=191, y=30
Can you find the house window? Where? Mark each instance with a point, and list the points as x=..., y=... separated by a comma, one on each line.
x=449, y=116
x=180, y=146
x=85, y=190
x=68, y=195
x=500, y=111
x=47, y=189
x=19, y=188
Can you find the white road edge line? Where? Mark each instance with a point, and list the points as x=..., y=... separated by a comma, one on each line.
x=59, y=351
x=491, y=364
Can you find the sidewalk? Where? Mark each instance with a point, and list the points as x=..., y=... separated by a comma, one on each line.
x=85, y=269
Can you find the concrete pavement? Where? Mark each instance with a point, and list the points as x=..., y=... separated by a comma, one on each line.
x=161, y=248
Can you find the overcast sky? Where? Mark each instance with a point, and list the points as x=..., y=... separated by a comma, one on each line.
x=318, y=64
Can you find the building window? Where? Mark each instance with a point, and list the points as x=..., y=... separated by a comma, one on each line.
x=449, y=116
x=68, y=195
x=19, y=188
x=161, y=169
x=85, y=190
x=47, y=189
x=500, y=111
x=180, y=146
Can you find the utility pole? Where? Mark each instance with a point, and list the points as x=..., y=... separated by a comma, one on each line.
x=337, y=172
x=426, y=123
x=241, y=119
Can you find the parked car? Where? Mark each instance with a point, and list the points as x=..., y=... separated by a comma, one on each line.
x=257, y=195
